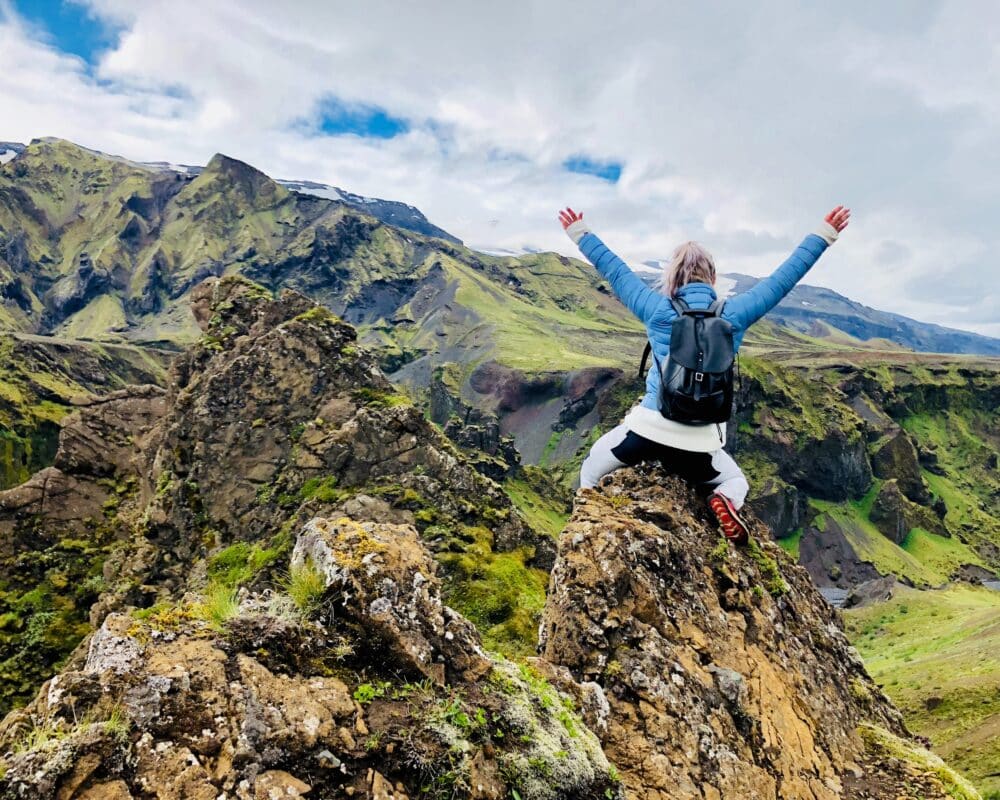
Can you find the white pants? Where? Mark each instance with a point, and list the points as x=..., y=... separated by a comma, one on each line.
x=620, y=447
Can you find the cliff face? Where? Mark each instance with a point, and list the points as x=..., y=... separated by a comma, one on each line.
x=285, y=548
x=724, y=671
x=869, y=466
x=43, y=380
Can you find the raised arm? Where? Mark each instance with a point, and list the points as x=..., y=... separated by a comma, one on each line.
x=750, y=306
x=631, y=290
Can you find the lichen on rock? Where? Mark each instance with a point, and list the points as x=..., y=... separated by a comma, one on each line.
x=413, y=706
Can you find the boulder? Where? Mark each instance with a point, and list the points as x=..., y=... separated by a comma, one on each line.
x=895, y=457
x=895, y=516
x=721, y=668
x=393, y=595
x=779, y=506
x=871, y=592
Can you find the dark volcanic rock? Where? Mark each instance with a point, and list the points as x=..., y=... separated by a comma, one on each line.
x=779, y=506
x=475, y=431
x=897, y=458
x=830, y=558
x=895, y=516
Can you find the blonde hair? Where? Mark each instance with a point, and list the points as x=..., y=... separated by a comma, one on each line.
x=690, y=263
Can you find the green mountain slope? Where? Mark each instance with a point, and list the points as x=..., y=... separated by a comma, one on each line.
x=936, y=655
x=98, y=247
x=42, y=379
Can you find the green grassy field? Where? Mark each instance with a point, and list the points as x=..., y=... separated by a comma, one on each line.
x=937, y=655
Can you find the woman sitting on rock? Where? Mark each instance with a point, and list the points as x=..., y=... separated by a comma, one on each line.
x=688, y=448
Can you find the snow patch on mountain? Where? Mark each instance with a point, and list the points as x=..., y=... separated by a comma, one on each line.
x=724, y=286
x=9, y=151
x=314, y=189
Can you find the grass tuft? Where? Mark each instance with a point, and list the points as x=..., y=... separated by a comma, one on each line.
x=218, y=606
x=306, y=586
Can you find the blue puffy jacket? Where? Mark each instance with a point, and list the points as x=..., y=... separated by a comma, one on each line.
x=657, y=314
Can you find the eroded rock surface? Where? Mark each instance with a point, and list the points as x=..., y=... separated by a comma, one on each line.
x=276, y=416
x=725, y=673
x=375, y=689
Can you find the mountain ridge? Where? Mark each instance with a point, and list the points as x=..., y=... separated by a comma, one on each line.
x=854, y=319
x=807, y=305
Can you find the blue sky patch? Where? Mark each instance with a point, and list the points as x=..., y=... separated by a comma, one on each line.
x=70, y=27
x=610, y=171
x=337, y=118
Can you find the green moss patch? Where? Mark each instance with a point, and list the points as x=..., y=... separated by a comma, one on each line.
x=790, y=544
x=237, y=564
x=497, y=591
x=872, y=546
x=540, y=505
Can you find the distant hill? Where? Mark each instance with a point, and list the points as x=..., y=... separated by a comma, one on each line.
x=389, y=211
x=809, y=309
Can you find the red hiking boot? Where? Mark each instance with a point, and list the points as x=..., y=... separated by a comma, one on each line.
x=733, y=526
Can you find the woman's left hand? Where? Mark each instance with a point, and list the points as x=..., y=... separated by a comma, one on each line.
x=568, y=217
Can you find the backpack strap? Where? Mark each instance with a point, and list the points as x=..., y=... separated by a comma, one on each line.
x=680, y=305
x=645, y=357
x=715, y=310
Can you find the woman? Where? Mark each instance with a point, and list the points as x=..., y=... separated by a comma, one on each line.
x=695, y=452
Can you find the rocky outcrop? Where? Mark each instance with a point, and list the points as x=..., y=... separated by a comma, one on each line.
x=870, y=592
x=476, y=431
x=827, y=553
x=781, y=507
x=45, y=379
x=895, y=457
x=895, y=515
x=281, y=408
x=369, y=687
x=724, y=672
x=672, y=667
x=833, y=467
x=276, y=416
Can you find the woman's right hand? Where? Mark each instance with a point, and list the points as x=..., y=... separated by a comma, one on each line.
x=838, y=218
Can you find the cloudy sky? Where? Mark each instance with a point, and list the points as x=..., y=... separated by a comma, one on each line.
x=737, y=124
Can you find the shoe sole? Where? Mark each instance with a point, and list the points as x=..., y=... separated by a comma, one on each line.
x=725, y=513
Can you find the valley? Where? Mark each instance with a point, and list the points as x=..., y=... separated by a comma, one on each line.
x=866, y=459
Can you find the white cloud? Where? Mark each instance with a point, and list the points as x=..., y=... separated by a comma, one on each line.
x=739, y=124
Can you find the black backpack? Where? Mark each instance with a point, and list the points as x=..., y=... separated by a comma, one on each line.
x=696, y=383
